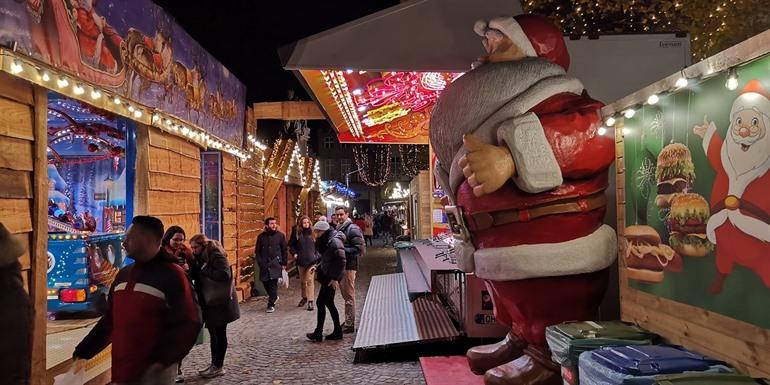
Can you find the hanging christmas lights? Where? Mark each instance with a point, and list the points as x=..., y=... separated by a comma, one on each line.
x=410, y=159
x=370, y=160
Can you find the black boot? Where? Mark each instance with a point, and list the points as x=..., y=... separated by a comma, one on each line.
x=336, y=334
x=315, y=336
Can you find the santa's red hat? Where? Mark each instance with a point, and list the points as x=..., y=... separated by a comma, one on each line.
x=752, y=97
x=535, y=35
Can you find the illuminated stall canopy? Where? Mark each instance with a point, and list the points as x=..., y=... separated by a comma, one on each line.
x=382, y=88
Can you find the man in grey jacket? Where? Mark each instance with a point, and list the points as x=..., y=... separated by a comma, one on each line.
x=355, y=247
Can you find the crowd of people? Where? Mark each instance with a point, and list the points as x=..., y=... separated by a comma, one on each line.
x=178, y=285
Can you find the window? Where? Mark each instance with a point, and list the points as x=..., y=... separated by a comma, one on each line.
x=328, y=142
x=329, y=169
x=345, y=167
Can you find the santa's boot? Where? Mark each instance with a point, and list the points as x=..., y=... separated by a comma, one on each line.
x=484, y=357
x=533, y=368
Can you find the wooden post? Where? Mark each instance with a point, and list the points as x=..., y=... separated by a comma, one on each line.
x=39, y=252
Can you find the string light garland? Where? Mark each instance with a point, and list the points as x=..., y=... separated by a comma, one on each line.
x=714, y=25
x=370, y=160
x=411, y=159
x=42, y=74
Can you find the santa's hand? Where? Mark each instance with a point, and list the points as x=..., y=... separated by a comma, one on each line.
x=487, y=167
x=701, y=130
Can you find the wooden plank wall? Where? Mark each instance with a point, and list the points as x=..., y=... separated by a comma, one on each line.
x=23, y=195
x=745, y=346
x=421, y=185
x=249, y=216
x=229, y=209
x=174, y=191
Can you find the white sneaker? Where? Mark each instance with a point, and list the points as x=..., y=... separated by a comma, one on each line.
x=215, y=372
x=270, y=309
x=208, y=369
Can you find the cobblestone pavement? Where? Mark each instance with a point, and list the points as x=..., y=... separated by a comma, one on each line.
x=272, y=348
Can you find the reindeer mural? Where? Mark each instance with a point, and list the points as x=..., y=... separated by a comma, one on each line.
x=149, y=59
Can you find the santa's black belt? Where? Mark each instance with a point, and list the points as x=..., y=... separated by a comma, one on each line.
x=732, y=202
x=483, y=221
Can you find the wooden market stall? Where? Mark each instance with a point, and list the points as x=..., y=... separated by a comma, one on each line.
x=711, y=297
x=142, y=119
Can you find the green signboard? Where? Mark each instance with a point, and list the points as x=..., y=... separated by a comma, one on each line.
x=698, y=195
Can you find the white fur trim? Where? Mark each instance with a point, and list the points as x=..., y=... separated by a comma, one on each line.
x=536, y=167
x=511, y=28
x=464, y=253
x=582, y=255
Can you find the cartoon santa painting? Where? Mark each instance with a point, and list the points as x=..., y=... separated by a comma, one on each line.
x=740, y=198
x=524, y=163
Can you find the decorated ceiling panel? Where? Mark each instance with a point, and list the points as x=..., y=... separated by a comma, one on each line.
x=378, y=107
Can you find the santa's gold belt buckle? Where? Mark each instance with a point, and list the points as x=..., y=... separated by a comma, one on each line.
x=732, y=202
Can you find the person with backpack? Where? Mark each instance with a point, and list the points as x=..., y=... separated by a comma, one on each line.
x=355, y=247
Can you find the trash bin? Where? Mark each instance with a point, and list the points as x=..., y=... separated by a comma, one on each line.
x=707, y=379
x=638, y=365
x=568, y=340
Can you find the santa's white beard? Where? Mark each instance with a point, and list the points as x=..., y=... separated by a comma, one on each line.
x=744, y=161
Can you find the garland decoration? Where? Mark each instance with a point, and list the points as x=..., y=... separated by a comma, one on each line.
x=374, y=163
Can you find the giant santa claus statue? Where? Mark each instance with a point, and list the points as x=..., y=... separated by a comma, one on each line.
x=740, y=208
x=524, y=163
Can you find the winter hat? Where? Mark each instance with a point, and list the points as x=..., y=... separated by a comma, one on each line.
x=11, y=246
x=321, y=226
x=535, y=35
x=753, y=97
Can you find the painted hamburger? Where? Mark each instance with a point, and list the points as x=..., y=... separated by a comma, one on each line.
x=687, y=221
x=674, y=173
x=646, y=258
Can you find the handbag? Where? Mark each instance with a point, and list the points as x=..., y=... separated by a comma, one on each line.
x=216, y=293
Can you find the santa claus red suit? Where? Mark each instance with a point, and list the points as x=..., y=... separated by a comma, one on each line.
x=538, y=240
x=740, y=208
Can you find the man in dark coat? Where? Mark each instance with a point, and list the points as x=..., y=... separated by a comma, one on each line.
x=16, y=317
x=355, y=246
x=272, y=256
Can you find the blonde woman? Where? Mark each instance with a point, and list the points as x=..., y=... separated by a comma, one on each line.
x=302, y=247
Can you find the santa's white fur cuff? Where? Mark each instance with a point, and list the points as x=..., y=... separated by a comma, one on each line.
x=582, y=255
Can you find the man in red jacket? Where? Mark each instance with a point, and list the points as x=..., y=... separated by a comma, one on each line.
x=524, y=162
x=153, y=318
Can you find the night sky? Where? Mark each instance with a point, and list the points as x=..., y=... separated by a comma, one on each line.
x=246, y=34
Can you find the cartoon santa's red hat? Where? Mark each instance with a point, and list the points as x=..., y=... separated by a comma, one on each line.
x=752, y=97
x=535, y=35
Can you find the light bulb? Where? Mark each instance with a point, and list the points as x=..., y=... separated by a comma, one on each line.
x=653, y=99
x=601, y=131
x=626, y=131
x=168, y=122
x=131, y=108
x=357, y=91
x=78, y=89
x=45, y=76
x=96, y=94
x=610, y=121
x=116, y=100
x=732, y=79
x=62, y=82
x=155, y=118
x=16, y=67
x=681, y=82
x=185, y=130
x=629, y=113
x=138, y=114
x=361, y=108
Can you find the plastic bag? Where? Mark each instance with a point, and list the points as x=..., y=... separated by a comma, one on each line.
x=71, y=378
x=284, y=280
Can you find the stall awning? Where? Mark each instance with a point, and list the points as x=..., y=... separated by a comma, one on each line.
x=378, y=77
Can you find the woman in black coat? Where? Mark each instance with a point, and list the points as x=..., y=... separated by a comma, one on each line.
x=210, y=267
x=330, y=245
x=302, y=247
